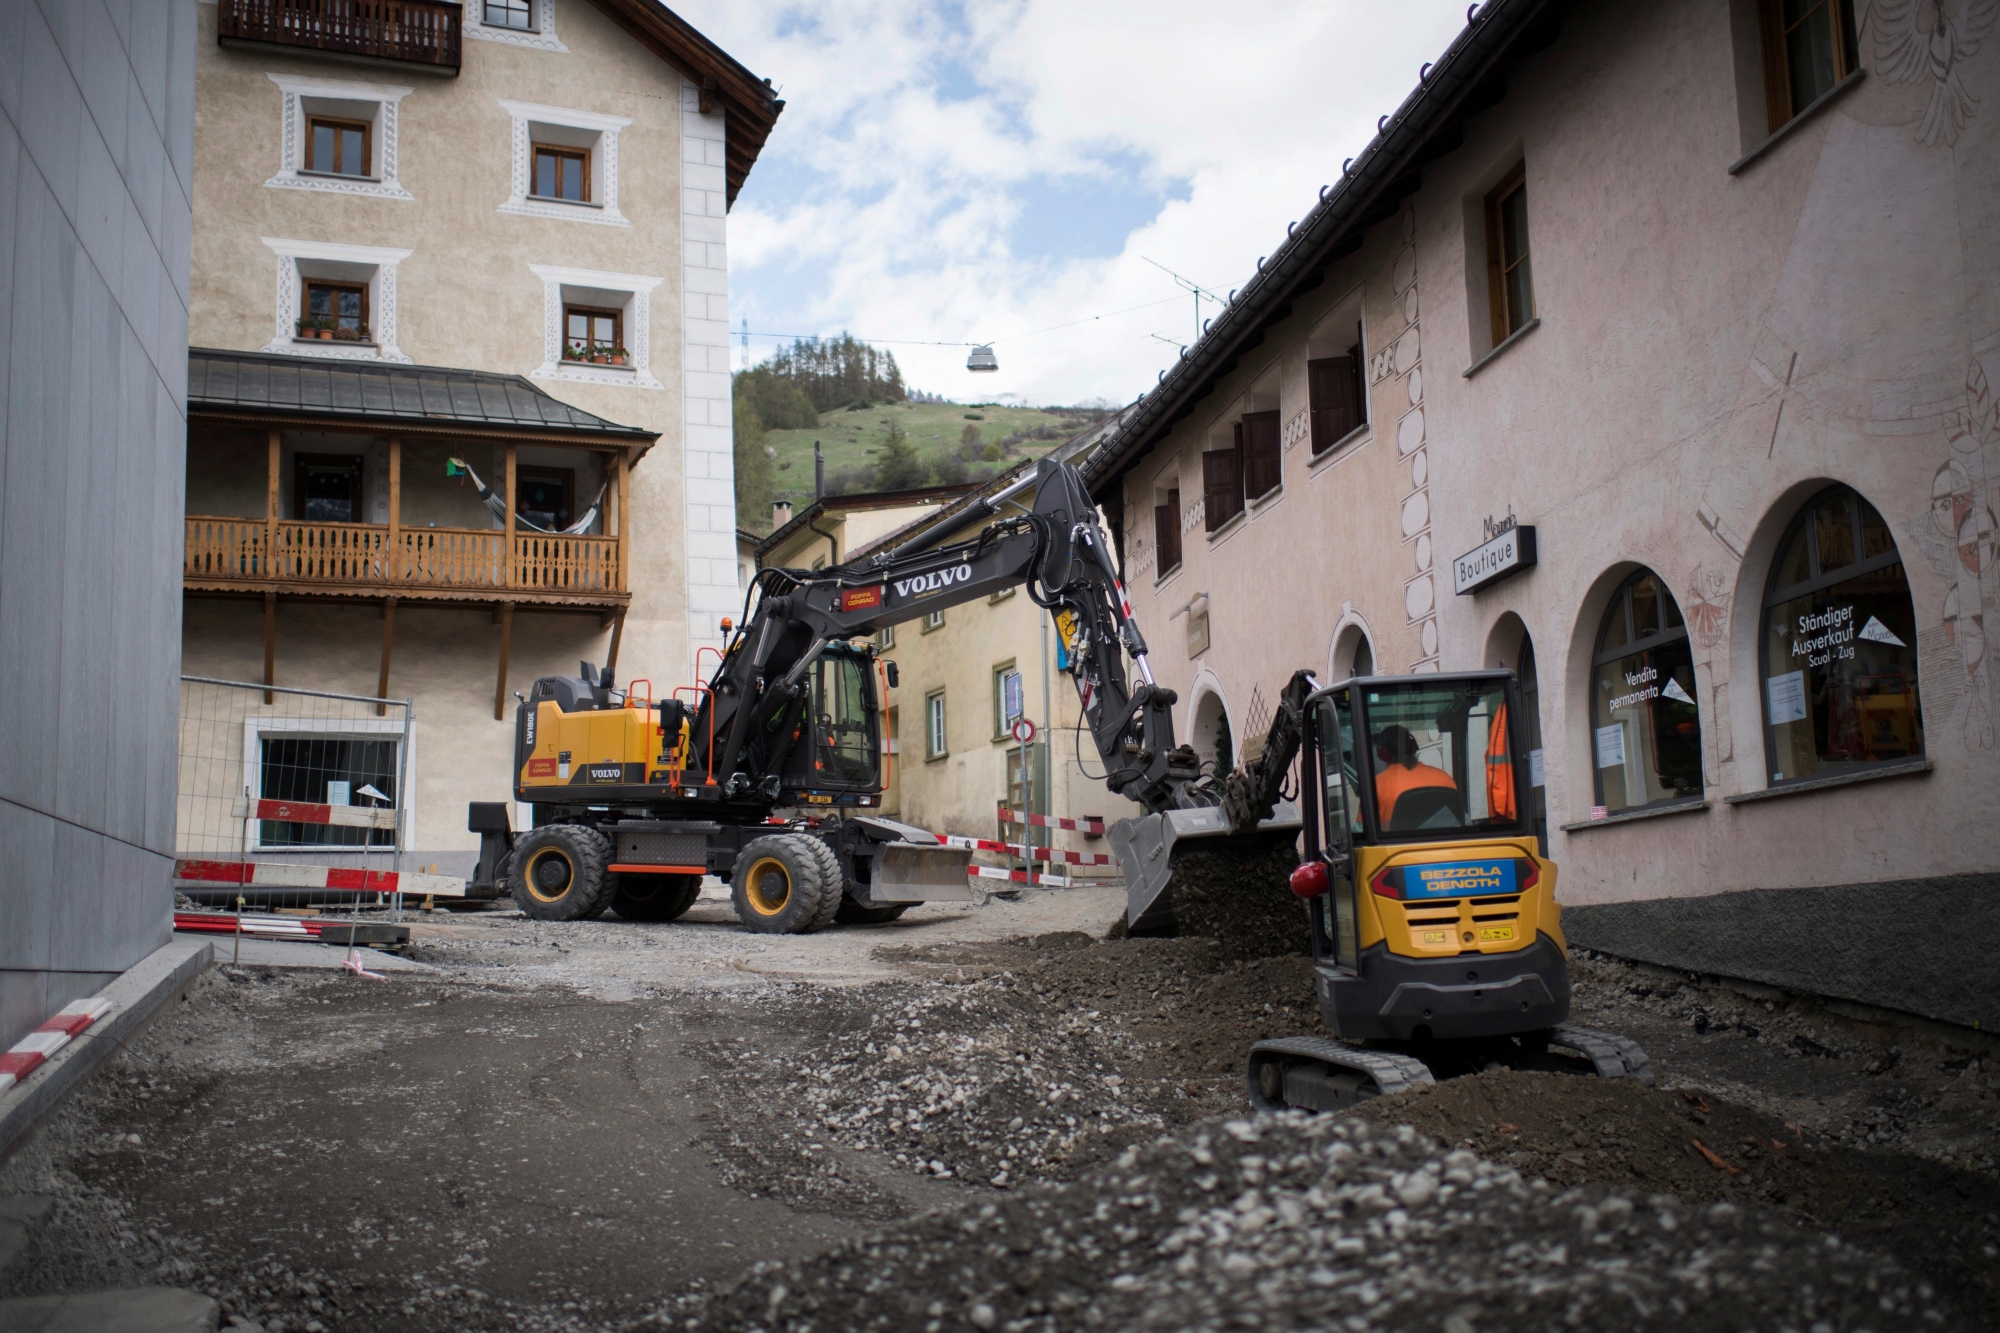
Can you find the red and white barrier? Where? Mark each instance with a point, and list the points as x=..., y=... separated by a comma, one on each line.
x=309, y=812
x=1032, y=877
x=1027, y=852
x=338, y=879
x=1094, y=827
x=27, y=1055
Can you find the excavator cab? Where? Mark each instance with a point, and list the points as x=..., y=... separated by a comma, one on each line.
x=1436, y=937
x=837, y=752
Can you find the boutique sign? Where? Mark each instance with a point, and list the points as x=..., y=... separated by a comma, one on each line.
x=1505, y=553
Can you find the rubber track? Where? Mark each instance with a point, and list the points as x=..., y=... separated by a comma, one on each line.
x=1391, y=1073
x=1613, y=1055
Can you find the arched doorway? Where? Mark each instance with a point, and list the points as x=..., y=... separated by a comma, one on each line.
x=1353, y=655
x=1209, y=736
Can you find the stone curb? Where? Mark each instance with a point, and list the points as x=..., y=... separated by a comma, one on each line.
x=135, y=996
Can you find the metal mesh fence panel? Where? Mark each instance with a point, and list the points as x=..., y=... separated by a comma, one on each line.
x=289, y=797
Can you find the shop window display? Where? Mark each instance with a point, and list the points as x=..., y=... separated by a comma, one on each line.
x=1645, y=727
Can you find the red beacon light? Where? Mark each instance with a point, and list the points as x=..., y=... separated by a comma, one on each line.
x=1309, y=880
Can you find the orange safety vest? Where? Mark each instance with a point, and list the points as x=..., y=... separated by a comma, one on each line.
x=1499, y=769
x=1395, y=779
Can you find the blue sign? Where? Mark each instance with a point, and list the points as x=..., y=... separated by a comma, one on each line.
x=1460, y=879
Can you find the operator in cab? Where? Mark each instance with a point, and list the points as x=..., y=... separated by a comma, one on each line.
x=1397, y=771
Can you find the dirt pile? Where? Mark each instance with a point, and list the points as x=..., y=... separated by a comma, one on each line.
x=1301, y=1222
x=1238, y=894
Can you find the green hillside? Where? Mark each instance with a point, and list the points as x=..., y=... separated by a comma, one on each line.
x=848, y=437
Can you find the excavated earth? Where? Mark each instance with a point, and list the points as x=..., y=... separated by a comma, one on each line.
x=994, y=1117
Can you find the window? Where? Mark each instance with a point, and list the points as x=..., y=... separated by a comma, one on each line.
x=1007, y=701
x=843, y=727
x=587, y=330
x=326, y=770
x=1257, y=437
x=1430, y=755
x=1511, y=292
x=1645, y=728
x=885, y=638
x=1222, y=484
x=544, y=495
x=1809, y=46
x=935, y=746
x=1839, y=655
x=326, y=488
x=515, y=14
x=933, y=620
x=1335, y=396
x=1167, y=530
x=562, y=173
x=337, y=306
x=337, y=147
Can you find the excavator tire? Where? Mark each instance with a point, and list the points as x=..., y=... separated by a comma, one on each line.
x=852, y=913
x=558, y=873
x=833, y=884
x=654, y=897
x=776, y=884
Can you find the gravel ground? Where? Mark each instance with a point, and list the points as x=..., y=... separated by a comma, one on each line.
x=601, y=1126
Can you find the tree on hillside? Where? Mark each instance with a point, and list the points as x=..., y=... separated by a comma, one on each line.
x=780, y=403
x=897, y=466
x=756, y=478
x=835, y=372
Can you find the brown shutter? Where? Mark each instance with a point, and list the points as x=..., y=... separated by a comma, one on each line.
x=1221, y=485
x=1331, y=384
x=1167, y=530
x=1262, y=470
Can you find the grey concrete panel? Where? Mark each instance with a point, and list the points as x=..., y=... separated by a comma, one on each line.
x=103, y=75
x=186, y=21
x=27, y=868
x=82, y=736
x=24, y=1003
x=79, y=902
x=11, y=162
x=152, y=53
x=51, y=118
x=13, y=14
x=100, y=205
x=139, y=898
x=1929, y=946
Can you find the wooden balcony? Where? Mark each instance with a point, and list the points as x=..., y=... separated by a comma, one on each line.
x=374, y=560
x=424, y=34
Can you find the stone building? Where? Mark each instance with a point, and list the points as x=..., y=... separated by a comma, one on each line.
x=461, y=410
x=96, y=177
x=1654, y=353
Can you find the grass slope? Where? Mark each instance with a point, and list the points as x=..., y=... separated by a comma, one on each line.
x=846, y=436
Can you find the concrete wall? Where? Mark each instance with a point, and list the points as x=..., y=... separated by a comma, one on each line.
x=96, y=178
x=1713, y=349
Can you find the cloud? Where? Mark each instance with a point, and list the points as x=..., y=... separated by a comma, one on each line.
x=956, y=172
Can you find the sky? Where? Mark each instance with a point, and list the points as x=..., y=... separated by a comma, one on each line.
x=957, y=173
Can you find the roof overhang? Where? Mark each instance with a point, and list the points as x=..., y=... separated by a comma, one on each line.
x=1470, y=77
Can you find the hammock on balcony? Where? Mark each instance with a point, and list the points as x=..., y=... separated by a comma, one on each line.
x=498, y=503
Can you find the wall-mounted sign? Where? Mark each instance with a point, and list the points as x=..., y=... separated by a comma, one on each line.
x=1507, y=554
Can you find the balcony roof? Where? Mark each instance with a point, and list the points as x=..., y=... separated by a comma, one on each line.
x=383, y=397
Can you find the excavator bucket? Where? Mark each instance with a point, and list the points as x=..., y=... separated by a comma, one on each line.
x=1156, y=850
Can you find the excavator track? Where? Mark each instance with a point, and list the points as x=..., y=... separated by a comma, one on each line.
x=1324, y=1074
x=1611, y=1055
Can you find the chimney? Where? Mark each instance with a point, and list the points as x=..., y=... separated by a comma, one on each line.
x=819, y=473
x=781, y=513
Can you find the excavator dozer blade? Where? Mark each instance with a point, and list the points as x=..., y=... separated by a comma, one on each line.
x=1148, y=846
x=909, y=872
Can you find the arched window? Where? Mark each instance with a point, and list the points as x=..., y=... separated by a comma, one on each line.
x=1839, y=652
x=1645, y=728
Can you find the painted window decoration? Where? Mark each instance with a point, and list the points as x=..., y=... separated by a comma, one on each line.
x=515, y=14
x=1007, y=699
x=1809, y=46
x=1645, y=727
x=1839, y=652
x=562, y=173
x=1509, y=274
x=934, y=734
x=328, y=770
x=337, y=147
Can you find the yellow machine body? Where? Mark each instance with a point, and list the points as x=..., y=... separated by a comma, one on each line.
x=605, y=747
x=1493, y=923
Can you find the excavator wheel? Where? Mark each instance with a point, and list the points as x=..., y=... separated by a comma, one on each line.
x=558, y=873
x=852, y=913
x=833, y=884
x=654, y=897
x=776, y=884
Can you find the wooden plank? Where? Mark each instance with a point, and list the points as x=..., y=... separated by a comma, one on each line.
x=270, y=644
x=271, y=494
x=507, y=524
x=506, y=640
x=393, y=560
x=388, y=637
x=624, y=513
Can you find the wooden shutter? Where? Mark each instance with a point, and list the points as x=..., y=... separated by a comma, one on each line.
x=1336, y=410
x=1221, y=485
x=1262, y=470
x=1167, y=531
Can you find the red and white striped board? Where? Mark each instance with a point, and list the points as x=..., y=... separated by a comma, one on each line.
x=28, y=1054
x=1034, y=877
x=309, y=812
x=1094, y=827
x=1027, y=852
x=337, y=879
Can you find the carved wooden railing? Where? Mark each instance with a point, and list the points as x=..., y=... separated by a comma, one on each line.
x=422, y=32
x=360, y=555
